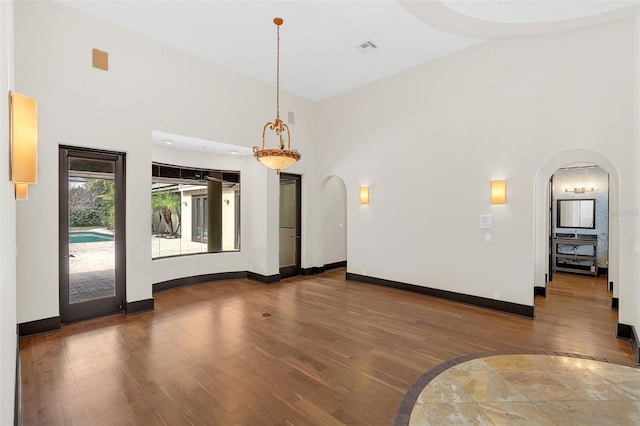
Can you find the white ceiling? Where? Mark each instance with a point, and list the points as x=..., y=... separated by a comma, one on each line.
x=522, y=12
x=172, y=140
x=319, y=39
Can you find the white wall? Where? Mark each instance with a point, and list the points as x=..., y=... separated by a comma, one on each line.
x=148, y=87
x=7, y=227
x=429, y=141
x=630, y=305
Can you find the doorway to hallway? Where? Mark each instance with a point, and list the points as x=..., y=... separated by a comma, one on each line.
x=578, y=231
x=578, y=306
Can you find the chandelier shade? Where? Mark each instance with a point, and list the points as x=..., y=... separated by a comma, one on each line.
x=281, y=157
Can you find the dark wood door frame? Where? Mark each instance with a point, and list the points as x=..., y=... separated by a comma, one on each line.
x=290, y=271
x=104, y=306
x=551, y=230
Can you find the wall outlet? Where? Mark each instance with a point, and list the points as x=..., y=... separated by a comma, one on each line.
x=496, y=295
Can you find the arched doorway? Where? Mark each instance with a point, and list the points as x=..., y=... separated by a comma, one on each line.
x=333, y=230
x=542, y=216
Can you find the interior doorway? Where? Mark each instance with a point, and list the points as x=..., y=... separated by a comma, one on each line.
x=334, y=223
x=92, y=233
x=290, y=224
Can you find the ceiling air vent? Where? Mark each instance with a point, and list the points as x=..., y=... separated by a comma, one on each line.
x=366, y=47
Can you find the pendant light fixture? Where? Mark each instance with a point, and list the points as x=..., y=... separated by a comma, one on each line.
x=279, y=158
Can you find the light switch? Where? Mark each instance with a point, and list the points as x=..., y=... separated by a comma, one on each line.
x=487, y=237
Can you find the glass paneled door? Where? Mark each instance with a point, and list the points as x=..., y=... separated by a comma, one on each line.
x=92, y=233
x=199, y=222
x=290, y=219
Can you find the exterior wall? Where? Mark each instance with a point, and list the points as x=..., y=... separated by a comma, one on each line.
x=228, y=218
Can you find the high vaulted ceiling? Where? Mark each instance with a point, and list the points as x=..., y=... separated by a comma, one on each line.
x=320, y=58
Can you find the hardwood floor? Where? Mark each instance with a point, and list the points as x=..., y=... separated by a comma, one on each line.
x=330, y=352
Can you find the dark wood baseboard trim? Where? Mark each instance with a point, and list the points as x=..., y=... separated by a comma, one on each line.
x=624, y=331
x=628, y=332
x=610, y=286
x=320, y=269
x=498, y=305
x=539, y=291
x=614, y=303
x=17, y=409
x=41, y=326
x=635, y=345
x=315, y=270
x=335, y=265
x=139, y=306
x=197, y=279
x=267, y=279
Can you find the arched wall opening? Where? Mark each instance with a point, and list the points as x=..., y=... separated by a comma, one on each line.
x=542, y=212
x=333, y=232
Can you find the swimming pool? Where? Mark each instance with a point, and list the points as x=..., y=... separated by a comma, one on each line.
x=88, y=237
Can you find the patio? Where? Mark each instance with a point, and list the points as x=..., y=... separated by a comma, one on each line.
x=91, y=265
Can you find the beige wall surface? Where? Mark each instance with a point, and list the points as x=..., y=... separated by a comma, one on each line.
x=7, y=227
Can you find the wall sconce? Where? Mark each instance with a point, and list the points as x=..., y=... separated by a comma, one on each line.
x=364, y=195
x=23, y=119
x=498, y=192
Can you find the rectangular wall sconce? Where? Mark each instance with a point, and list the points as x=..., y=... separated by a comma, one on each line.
x=23, y=119
x=498, y=192
x=364, y=195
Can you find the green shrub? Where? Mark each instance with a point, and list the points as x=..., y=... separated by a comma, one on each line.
x=85, y=217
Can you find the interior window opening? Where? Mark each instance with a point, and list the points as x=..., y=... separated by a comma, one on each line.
x=194, y=211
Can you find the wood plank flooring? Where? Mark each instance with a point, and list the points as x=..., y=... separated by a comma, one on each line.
x=331, y=352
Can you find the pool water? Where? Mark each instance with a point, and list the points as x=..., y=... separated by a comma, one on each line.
x=88, y=237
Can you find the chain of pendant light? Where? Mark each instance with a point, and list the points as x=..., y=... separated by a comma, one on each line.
x=278, y=70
